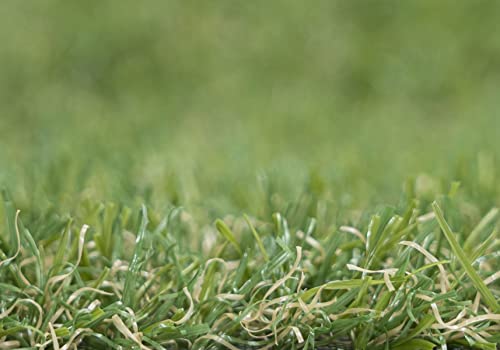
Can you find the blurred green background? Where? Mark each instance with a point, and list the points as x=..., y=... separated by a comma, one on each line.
x=210, y=103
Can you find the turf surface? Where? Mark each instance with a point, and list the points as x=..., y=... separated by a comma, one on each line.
x=249, y=175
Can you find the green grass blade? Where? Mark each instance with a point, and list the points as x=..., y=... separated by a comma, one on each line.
x=488, y=296
x=138, y=258
x=472, y=239
x=423, y=324
x=62, y=249
x=257, y=238
x=227, y=234
x=415, y=344
x=36, y=253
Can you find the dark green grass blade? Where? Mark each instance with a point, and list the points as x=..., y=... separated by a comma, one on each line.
x=489, y=298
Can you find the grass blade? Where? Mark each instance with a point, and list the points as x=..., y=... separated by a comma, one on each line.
x=488, y=296
x=476, y=232
x=137, y=261
x=227, y=234
x=257, y=238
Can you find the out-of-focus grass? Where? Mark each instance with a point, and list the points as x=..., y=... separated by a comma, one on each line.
x=365, y=94
x=306, y=116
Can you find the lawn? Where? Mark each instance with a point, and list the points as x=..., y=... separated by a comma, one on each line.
x=249, y=175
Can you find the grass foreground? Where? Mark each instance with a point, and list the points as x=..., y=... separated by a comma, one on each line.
x=418, y=275
x=227, y=175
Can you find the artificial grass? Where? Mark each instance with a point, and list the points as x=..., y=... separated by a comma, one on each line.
x=138, y=278
x=217, y=174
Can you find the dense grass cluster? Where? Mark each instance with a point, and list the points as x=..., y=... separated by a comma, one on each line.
x=249, y=174
x=413, y=276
